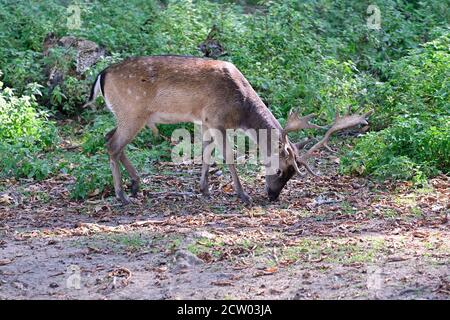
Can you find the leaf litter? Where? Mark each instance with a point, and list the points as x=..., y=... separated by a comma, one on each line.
x=322, y=239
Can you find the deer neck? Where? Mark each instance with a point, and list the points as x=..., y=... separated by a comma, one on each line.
x=260, y=119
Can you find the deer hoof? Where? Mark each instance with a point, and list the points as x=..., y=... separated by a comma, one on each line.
x=245, y=198
x=205, y=191
x=122, y=197
x=206, y=194
x=134, y=188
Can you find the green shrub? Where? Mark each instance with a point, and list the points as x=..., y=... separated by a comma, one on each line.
x=410, y=149
x=93, y=139
x=293, y=52
x=417, y=142
x=92, y=174
x=68, y=96
x=418, y=85
x=25, y=162
x=23, y=122
x=25, y=135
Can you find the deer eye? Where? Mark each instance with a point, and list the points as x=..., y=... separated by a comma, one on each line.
x=279, y=172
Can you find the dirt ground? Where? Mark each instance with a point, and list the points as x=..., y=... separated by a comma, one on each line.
x=332, y=237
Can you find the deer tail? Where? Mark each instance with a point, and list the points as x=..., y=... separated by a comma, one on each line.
x=96, y=89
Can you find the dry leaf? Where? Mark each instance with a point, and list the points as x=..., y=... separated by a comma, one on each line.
x=4, y=262
x=5, y=198
x=420, y=234
x=94, y=193
x=271, y=270
x=228, y=188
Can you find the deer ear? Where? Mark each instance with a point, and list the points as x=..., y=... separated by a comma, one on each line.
x=282, y=148
x=290, y=152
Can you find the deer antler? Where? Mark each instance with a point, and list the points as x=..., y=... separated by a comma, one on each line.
x=295, y=122
x=340, y=123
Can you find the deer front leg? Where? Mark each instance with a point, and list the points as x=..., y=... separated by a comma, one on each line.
x=206, y=158
x=227, y=152
x=237, y=185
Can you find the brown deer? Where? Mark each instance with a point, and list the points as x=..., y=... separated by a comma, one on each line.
x=172, y=89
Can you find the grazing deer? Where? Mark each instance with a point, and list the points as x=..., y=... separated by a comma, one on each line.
x=172, y=89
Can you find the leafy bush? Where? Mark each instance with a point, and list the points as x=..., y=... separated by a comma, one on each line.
x=407, y=150
x=93, y=140
x=22, y=122
x=23, y=162
x=416, y=106
x=292, y=52
x=25, y=135
x=92, y=175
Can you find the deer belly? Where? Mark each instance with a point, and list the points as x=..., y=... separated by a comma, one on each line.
x=172, y=118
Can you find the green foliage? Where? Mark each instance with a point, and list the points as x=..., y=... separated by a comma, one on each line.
x=410, y=149
x=416, y=144
x=68, y=96
x=25, y=133
x=25, y=162
x=294, y=53
x=21, y=121
x=418, y=85
x=92, y=175
x=94, y=134
x=317, y=55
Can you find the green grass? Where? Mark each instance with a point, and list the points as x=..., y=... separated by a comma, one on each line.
x=390, y=213
x=336, y=251
x=133, y=242
x=347, y=208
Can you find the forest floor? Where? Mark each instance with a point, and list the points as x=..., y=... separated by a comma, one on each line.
x=332, y=237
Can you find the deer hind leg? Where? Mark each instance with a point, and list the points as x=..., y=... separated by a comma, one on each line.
x=152, y=126
x=132, y=172
x=117, y=139
x=226, y=149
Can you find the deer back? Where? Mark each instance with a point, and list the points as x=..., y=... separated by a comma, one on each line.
x=172, y=89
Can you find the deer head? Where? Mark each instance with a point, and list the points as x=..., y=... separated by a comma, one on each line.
x=290, y=157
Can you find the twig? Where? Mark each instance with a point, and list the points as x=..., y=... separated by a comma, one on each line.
x=163, y=194
x=71, y=147
x=147, y=222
